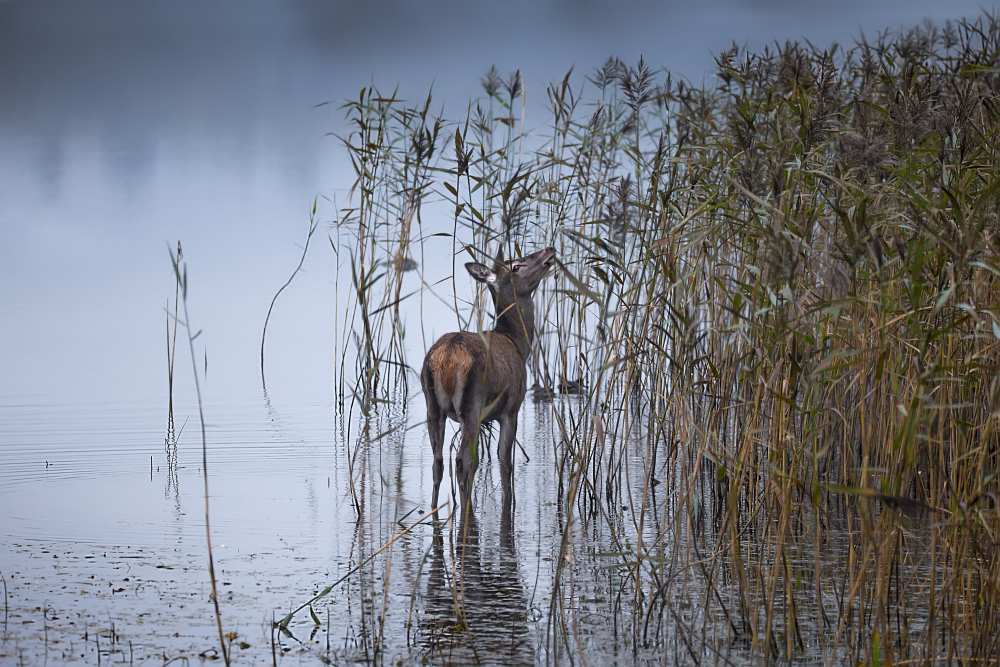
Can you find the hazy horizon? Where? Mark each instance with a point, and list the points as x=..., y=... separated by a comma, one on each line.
x=127, y=127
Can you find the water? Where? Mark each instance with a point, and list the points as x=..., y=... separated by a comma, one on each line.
x=105, y=531
x=105, y=552
x=123, y=131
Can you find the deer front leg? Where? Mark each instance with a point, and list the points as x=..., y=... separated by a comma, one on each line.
x=508, y=431
x=435, y=428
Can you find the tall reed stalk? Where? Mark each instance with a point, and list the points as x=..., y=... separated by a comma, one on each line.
x=181, y=278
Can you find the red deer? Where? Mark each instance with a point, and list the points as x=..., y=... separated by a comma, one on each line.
x=475, y=378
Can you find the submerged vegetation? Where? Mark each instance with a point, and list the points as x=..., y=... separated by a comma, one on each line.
x=782, y=296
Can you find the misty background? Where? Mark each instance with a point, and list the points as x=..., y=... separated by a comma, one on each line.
x=126, y=126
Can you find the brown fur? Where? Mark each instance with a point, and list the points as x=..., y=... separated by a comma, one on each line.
x=447, y=363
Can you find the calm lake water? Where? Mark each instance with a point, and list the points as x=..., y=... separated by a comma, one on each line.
x=124, y=130
x=105, y=550
x=105, y=529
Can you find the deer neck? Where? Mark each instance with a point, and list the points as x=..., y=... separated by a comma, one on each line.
x=517, y=321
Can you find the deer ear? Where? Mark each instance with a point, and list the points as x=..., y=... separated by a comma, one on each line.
x=498, y=262
x=481, y=272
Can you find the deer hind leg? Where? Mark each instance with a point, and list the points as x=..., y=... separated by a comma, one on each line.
x=467, y=459
x=508, y=431
x=436, y=420
x=435, y=428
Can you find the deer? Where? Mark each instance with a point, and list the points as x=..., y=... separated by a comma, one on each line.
x=477, y=378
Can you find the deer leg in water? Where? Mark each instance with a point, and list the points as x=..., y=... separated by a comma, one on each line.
x=507, y=526
x=467, y=459
x=508, y=431
x=435, y=427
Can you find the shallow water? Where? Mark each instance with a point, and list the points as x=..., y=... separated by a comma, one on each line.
x=103, y=528
x=104, y=524
x=106, y=549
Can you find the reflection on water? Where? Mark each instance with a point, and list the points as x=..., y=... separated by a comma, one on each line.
x=101, y=555
x=477, y=610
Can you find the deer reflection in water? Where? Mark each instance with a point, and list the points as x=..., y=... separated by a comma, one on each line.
x=477, y=612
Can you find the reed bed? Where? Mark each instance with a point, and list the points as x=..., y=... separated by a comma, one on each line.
x=781, y=303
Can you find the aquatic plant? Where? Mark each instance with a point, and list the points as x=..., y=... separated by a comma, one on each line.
x=782, y=293
x=181, y=282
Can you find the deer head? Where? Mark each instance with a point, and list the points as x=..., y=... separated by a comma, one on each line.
x=512, y=285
